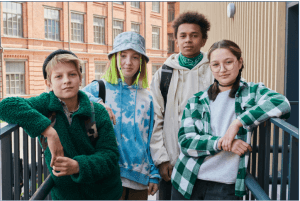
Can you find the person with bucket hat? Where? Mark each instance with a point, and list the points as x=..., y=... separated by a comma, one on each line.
x=131, y=109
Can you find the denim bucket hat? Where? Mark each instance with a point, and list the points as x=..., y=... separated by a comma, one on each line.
x=129, y=40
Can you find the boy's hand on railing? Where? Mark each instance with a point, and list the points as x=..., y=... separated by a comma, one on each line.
x=240, y=147
x=110, y=112
x=54, y=143
x=65, y=166
x=226, y=141
x=152, y=188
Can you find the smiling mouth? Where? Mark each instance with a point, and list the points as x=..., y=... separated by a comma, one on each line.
x=68, y=88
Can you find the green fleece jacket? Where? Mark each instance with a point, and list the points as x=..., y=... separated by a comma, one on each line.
x=99, y=174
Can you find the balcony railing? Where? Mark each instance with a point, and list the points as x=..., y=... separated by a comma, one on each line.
x=21, y=175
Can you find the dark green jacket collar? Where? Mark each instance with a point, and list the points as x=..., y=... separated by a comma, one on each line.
x=84, y=109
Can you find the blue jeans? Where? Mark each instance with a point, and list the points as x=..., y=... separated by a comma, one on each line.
x=165, y=189
x=208, y=190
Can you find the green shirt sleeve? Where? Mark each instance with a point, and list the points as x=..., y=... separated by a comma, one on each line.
x=27, y=113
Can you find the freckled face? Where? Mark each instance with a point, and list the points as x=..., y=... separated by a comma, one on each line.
x=65, y=81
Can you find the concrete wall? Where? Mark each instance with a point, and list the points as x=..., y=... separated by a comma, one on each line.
x=258, y=28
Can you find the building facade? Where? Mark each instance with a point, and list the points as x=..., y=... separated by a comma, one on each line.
x=30, y=31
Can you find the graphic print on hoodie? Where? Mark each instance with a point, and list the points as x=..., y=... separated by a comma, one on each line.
x=133, y=109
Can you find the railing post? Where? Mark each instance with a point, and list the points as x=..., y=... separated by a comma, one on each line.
x=267, y=156
x=275, y=163
x=261, y=155
x=6, y=162
x=17, y=189
x=294, y=168
x=284, y=165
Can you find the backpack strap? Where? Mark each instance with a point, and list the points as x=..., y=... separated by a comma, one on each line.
x=101, y=89
x=90, y=126
x=166, y=75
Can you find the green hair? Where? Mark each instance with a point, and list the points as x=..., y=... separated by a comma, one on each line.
x=111, y=75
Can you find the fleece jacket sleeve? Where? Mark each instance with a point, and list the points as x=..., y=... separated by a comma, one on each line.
x=104, y=161
x=27, y=113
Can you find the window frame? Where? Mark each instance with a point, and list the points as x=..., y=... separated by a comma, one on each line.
x=136, y=24
x=172, y=48
x=134, y=3
x=101, y=38
x=46, y=24
x=100, y=74
x=22, y=90
x=114, y=33
x=76, y=25
x=155, y=64
x=156, y=7
x=158, y=37
x=171, y=11
x=19, y=21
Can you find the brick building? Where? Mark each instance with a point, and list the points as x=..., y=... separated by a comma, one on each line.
x=30, y=31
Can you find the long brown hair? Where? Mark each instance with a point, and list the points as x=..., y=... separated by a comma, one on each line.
x=214, y=90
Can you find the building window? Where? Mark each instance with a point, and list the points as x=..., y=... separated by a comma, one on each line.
x=135, y=4
x=117, y=28
x=155, y=38
x=99, y=70
x=119, y=2
x=135, y=28
x=156, y=6
x=51, y=24
x=171, y=12
x=15, y=78
x=83, y=73
x=77, y=27
x=155, y=67
x=12, y=19
x=171, y=43
x=99, y=30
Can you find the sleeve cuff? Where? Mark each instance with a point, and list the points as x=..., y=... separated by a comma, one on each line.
x=154, y=180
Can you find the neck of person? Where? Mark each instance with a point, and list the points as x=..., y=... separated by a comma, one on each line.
x=191, y=56
x=225, y=87
x=72, y=103
x=128, y=81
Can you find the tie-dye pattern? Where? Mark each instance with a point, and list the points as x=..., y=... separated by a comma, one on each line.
x=133, y=109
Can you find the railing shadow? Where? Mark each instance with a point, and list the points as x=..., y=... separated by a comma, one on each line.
x=274, y=144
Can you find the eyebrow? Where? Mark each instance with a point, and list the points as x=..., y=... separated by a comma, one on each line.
x=190, y=33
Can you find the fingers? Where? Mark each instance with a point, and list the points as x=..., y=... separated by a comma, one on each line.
x=114, y=119
x=220, y=143
x=155, y=189
x=150, y=189
x=59, y=174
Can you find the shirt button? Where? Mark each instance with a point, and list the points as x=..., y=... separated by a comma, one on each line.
x=237, y=95
x=239, y=172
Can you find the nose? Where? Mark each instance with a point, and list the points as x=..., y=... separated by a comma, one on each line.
x=188, y=39
x=128, y=60
x=66, y=79
x=222, y=68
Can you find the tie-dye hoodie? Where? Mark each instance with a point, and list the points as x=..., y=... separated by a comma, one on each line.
x=133, y=109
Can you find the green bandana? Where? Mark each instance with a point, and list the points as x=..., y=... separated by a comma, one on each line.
x=189, y=62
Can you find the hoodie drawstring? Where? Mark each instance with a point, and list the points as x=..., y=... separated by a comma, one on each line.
x=135, y=112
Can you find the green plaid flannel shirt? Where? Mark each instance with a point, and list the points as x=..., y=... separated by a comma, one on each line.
x=254, y=104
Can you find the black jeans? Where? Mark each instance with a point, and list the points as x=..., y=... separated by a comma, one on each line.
x=165, y=189
x=208, y=190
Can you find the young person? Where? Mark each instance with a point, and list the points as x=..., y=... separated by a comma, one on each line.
x=216, y=129
x=131, y=108
x=191, y=74
x=81, y=169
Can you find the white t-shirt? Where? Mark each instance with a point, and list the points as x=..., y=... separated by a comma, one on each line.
x=223, y=166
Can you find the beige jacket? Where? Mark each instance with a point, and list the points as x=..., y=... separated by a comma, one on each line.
x=184, y=84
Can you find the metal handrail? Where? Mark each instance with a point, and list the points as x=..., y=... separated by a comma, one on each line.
x=42, y=192
x=255, y=188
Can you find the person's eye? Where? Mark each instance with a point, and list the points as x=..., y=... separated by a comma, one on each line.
x=123, y=56
x=73, y=74
x=58, y=76
x=215, y=65
x=195, y=36
x=136, y=57
x=182, y=36
x=229, y=62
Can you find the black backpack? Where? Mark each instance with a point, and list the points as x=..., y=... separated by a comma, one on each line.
x=166, y=75
x=101, y=89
